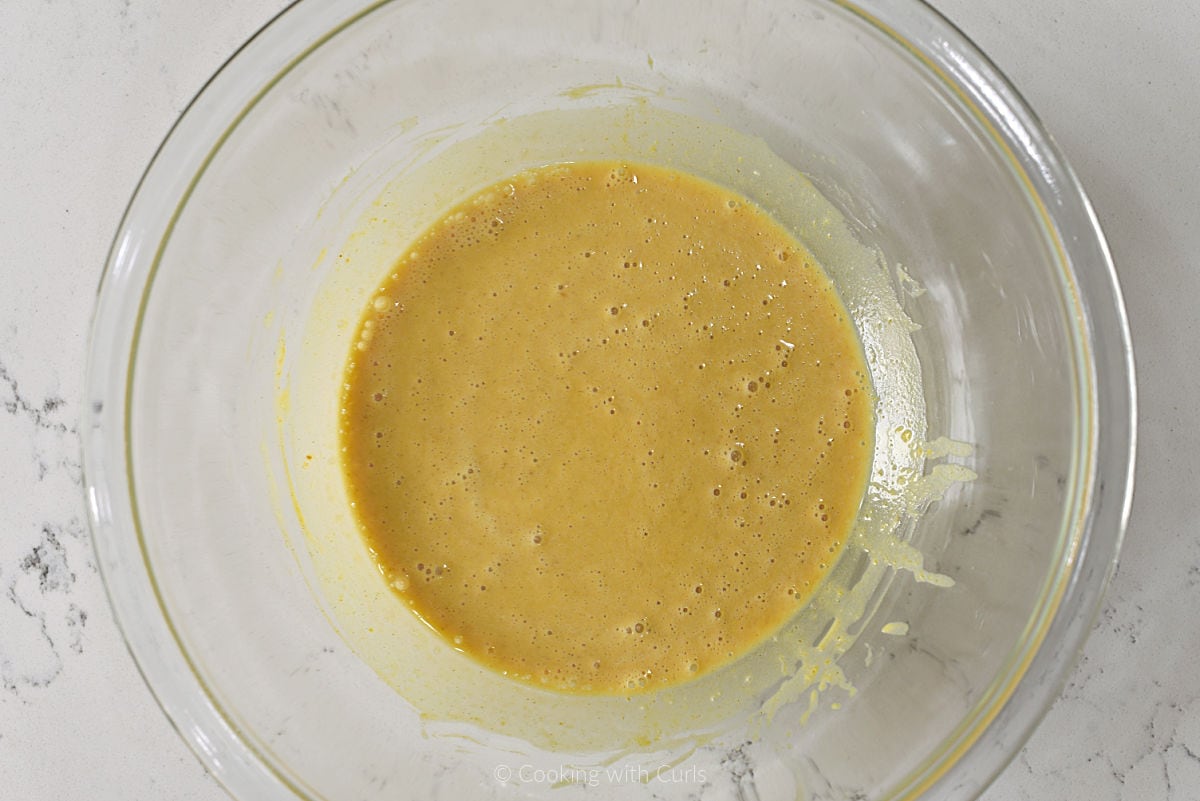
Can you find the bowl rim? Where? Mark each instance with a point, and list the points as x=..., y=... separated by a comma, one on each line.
x=1013, y=705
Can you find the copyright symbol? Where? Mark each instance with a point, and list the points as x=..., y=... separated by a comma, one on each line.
x=502, y=773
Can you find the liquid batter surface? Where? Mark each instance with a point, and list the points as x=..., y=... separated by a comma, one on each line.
x=606, y=426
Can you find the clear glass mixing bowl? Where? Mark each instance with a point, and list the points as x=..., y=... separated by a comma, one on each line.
x=231, y=289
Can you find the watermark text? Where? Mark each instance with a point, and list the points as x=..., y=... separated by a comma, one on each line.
x=595, y=776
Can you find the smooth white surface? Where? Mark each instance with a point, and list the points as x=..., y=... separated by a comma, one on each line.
x=89, y=87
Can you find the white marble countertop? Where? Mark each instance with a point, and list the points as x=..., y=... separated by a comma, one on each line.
x=89, y=87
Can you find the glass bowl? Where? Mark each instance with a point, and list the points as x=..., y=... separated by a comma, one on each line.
x=963, y=246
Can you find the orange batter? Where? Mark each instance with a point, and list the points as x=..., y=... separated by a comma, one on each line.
x=605, y=426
